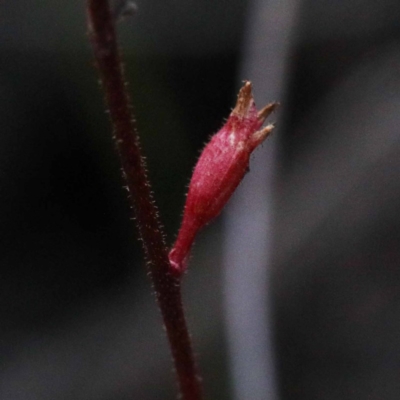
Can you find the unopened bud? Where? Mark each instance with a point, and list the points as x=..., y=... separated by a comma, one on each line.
x=221, y=166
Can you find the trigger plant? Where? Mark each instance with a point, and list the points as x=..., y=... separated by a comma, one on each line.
x=218, y=172
x=221, y=167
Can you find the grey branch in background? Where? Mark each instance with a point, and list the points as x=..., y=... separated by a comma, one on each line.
x=248, y=224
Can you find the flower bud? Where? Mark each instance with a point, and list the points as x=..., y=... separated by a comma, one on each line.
x=219, y=170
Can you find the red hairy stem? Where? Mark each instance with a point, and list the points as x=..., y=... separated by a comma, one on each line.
x=166, y=286
x=219, y=170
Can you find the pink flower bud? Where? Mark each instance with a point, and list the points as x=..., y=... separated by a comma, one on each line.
x=221, y=166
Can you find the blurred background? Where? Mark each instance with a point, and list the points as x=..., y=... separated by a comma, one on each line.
x=294, y=292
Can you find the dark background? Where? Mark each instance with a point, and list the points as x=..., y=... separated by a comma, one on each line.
x=77, y=318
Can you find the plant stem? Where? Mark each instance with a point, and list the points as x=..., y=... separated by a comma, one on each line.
x=166, y=287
